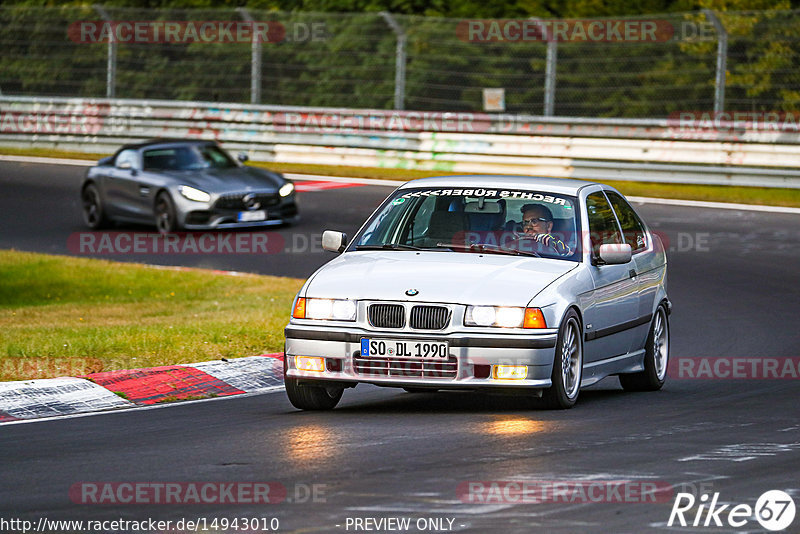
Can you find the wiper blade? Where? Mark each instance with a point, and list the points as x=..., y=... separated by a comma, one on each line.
x=491, y=249
x=387, y=246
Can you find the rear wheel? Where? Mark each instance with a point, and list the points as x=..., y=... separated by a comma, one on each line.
x=93, y=214
x=310, y=397
x=166, y=220
x=567, y=365
x=656, y=357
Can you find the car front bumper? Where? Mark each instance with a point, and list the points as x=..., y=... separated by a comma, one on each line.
x=209, y=216
x=473, y=355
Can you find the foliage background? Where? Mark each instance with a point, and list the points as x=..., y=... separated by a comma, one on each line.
x=353, y=65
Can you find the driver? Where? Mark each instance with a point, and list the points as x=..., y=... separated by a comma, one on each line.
x=537, y=223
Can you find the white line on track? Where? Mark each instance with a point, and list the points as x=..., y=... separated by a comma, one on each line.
x=396, y=183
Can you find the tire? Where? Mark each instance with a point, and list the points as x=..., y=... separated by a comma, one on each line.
x=656, y=357
x=164, y=211
x=305, y=397
x=567, y=365
x=93, y=213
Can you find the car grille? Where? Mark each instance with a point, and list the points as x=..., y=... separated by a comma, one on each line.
x=397, y=367
x=387, y=315
x=422, y=317
x=429, y=317
x=234, y=201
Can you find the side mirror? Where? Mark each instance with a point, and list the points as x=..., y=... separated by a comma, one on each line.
x=242, y=157
x=334, y=241
x=614, y=254
x=125, y=165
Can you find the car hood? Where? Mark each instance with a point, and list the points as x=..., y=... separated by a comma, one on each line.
x=462, y=278
x=228, y=180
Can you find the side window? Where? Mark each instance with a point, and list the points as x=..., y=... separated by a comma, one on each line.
x=632, y=227
x=603, y=228
x=127, y=156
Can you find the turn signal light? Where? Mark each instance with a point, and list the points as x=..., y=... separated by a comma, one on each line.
x=534, y=318
x=309, y=363
x=299, y=311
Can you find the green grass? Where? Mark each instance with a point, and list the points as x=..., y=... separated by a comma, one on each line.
x=62, y=316
x=714, y=193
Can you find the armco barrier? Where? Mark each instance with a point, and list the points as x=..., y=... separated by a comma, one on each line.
x=657, y=150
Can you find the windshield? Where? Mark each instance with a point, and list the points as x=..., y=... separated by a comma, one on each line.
x=187, y=158
x=484, y=220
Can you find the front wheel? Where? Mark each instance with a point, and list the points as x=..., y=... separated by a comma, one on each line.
x=567, y=365
x=166, y=220
x=307, y=397
x=656, y=357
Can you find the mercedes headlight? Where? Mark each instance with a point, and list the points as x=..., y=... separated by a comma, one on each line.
x=286, y=189
x=194, y=194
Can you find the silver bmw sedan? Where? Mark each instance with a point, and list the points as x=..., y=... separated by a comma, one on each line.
x=525, y=285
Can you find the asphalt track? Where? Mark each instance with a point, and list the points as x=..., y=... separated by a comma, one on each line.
x=733, y=278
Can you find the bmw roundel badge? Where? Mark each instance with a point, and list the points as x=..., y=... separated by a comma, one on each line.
x=412, y=292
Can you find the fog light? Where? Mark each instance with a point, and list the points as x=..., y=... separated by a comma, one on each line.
x=510, y=372
x=309, y=363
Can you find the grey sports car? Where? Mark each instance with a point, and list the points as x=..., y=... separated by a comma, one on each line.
x=178, y=184
x=508, y=284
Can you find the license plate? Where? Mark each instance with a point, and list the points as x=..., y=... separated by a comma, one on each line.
x=252, y=216
x=404, y=348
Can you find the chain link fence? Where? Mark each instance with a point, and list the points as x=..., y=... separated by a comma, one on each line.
x=649, y=66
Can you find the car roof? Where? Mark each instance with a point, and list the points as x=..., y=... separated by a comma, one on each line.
x=563, y=186
x=165, y=141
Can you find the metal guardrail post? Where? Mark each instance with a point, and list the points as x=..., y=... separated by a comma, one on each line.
x=549, y=69
x=255, y=60
x=399, y=61
x=111, y=66
x=722, y=60
x=550, y=78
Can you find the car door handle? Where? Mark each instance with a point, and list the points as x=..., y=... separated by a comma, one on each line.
x=632, y=273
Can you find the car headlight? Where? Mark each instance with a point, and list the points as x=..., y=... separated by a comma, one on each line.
x=286, y=189
x=194, y=194
x=504, y=317
x=325, y=309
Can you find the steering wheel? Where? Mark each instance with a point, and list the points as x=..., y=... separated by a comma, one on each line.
x=543, y=240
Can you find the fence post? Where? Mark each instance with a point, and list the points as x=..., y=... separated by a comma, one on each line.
x=255, y=60
x=549, y=69
x=111, y=66
x=722, y=61
x=399, y=61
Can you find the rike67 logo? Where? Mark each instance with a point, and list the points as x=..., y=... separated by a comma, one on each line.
x=774, y=510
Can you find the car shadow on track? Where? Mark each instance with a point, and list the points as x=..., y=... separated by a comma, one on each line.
x=384, y=401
